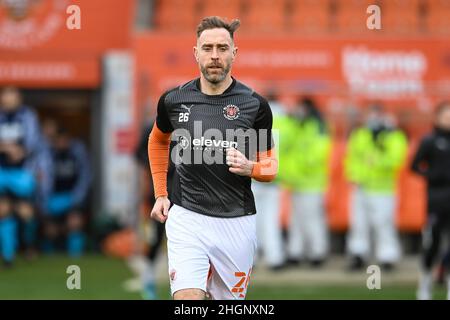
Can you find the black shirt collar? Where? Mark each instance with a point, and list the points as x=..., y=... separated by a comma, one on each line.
x=230, y=87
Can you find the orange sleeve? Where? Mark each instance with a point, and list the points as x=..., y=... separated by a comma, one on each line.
x=158, y=155
x=266, y=167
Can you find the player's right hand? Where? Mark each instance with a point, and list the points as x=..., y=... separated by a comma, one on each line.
x=160, y=210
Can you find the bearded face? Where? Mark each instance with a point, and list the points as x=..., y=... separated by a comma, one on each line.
x=215, y=54
x=215, y=72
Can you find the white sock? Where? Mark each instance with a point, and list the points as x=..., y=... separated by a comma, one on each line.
x=137, y=264
x=424, y=292
x=148, y=274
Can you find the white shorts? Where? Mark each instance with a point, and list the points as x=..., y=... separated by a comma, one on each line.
x=209, y=253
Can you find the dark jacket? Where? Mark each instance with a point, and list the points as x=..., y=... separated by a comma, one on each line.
x=432, y=161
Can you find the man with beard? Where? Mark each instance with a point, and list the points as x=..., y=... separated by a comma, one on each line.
x=432, y=161
x=225, y=139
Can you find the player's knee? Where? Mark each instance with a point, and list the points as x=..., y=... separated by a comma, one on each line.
x=5, y=207
x=25, y=210
x=74, y=221
x=189, y=294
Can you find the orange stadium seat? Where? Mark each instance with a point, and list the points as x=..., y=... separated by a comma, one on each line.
x=351, y=22
x=404, y=23
x=400, y=16
x=310, y=16
x=439, y=23
x=351, y=15
x=176, y=15
x=355, y=5
x=438, y=4
x=310, y=21
x=438, y=17
x=264, y=15
x=225, y=8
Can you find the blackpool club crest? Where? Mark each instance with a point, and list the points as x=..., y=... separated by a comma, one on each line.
x=231, y=112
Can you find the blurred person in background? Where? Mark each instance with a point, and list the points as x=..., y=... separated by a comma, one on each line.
x=375, y=154
x=19, y=140
x=267, y=201
x=306, y=170
x=66, y=199
x=147, y=198
x=432, y=161
x=49, y=129
x=43, y=163
x=443, y=268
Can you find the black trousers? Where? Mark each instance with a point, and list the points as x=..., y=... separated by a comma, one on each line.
x=156, y=241
x=437, y=227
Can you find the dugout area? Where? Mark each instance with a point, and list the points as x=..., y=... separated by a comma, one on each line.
x=75, y=110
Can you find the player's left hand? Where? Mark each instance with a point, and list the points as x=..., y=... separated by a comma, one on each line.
x=238, y=163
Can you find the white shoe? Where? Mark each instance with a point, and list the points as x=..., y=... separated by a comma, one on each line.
x=132, y=285
x=423, y=295
x=425, y=289
x=137, y=264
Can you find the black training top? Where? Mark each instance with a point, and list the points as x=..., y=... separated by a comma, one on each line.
x=204, y=127
x=433, y=158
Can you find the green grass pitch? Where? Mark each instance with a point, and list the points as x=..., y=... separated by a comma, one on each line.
x=103, y=277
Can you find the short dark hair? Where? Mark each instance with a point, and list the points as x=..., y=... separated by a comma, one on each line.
x=214, y=22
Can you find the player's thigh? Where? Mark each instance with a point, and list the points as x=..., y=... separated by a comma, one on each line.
x=229, y=279
x=187, y=256
x=5, y=206
x=232, y=259
x=188, y=266
x=75, y=220
x=24, y=208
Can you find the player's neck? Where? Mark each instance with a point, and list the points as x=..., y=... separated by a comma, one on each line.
x=209, y=88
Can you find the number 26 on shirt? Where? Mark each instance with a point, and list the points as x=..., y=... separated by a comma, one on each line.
x=183, y=117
